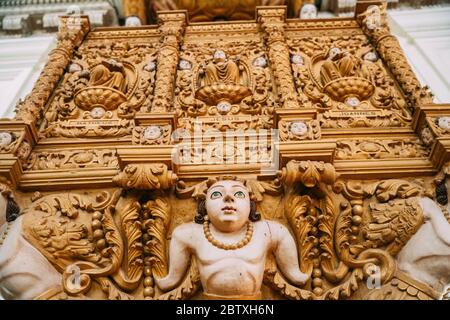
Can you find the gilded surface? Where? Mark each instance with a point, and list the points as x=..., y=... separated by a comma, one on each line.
x=323, y=121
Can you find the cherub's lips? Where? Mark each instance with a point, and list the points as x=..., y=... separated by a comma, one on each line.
x=228, y=209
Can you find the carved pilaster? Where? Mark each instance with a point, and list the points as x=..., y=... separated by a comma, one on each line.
x=171, y=28
x=372, y=17
x=72, y=30
x=272, y=20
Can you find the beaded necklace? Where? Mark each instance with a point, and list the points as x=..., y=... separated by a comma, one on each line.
x=220, y=245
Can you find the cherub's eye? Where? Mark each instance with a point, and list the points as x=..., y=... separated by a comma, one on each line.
x=239, y=194
x=215, y=195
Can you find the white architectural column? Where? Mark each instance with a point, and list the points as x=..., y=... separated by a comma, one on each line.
x=21, y=61
x=424, y=35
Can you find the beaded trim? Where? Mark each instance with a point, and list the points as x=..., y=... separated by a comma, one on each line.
x=220, y=245
x=5, y=233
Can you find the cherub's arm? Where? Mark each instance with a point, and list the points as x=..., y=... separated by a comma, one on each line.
x=440, y=224
x=286, y=254
x=179, y=257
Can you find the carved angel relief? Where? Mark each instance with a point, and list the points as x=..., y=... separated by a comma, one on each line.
x=115, y=244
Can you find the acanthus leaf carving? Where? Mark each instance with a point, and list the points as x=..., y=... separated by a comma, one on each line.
x=146, y=177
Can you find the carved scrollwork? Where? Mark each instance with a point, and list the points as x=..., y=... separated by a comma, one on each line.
x=393, y=220
x=59, y=225
x=309, y=173
x=379, y=149
x=72, y=159
x=328, y=236
x=146, y=177
x=156, y=223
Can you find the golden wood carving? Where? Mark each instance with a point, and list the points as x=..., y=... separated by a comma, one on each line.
x=171, y=30
x=71, y=33
x=272, y=22
x=374, y=23
x=126, y=130
x=146, y=176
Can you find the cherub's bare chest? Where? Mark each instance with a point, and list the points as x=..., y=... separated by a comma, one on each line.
x=253, y=252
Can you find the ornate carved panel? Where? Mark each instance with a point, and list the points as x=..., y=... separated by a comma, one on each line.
x=140, y=147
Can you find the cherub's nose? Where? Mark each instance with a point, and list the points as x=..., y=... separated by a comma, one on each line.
x=228, y=198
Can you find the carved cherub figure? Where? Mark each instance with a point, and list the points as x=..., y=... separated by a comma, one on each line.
x=24, y=272
x=230, y=243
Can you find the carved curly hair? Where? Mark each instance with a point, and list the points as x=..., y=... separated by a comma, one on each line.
x=12, y=210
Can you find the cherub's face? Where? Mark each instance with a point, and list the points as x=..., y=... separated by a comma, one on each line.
x=152, y=133
x=297, y=59
x=184, y=65
x=444, y=123
x=427, y=136
x=309, y=11
x=334, y=52
x=219, y=55
x=133, y=21
x=5, y=139
x=299, y=128
x=228, y=205
x=370, y=56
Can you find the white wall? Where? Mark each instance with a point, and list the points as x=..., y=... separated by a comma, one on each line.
x=21, y=61
x=425, y=38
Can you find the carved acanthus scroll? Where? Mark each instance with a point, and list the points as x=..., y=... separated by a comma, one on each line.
x=146, y=177
x=327, y=236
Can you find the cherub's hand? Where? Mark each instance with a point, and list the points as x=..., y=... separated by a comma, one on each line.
x=301, y=279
